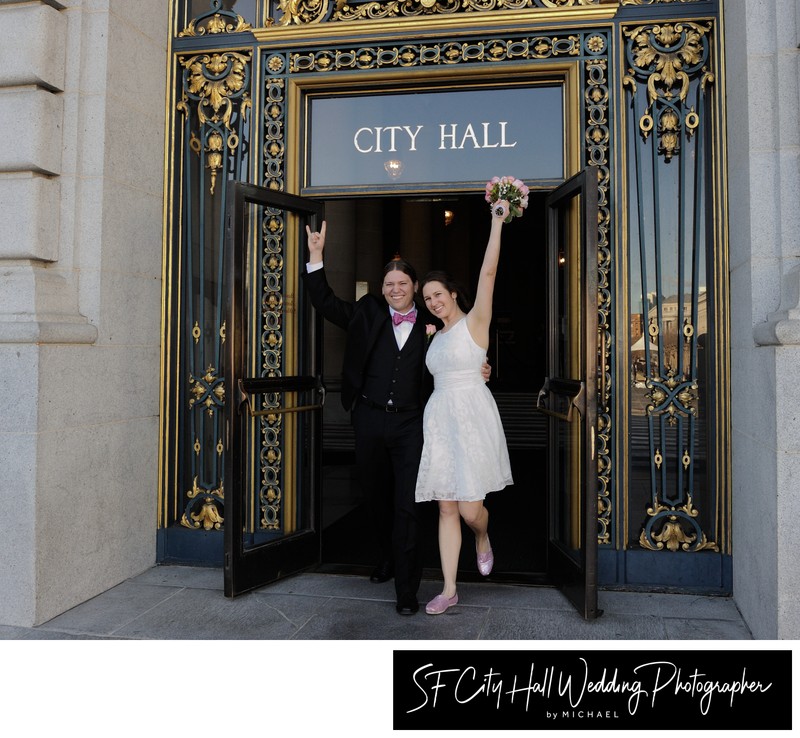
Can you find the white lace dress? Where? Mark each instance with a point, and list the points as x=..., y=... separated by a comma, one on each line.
x=465, y=454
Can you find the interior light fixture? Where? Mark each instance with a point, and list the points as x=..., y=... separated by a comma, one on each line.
x=394, y=168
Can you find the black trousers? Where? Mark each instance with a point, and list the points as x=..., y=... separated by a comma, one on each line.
x=388, y=447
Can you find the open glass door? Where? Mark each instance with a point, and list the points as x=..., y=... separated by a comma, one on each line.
x=568, y=396
x=274, y=391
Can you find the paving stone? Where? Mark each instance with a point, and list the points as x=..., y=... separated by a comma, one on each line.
x=182, y=603
x=201, y=614
x=107, y=612
x=697, y=629
x=341, y=619
x=183, y=576
x=671, y=605
x=508, y=624
x=12, y=632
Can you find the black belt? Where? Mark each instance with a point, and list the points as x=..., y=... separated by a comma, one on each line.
x=388, y=408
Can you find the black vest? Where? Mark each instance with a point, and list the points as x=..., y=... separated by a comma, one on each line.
x=395, y=374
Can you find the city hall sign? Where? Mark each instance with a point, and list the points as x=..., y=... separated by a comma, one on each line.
x=434, y=137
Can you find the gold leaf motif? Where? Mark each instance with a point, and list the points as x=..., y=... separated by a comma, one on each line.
x=205, y=389
x=208, y=516
x=656, y=2
x=672, y=536
x=665, y=54
x=596, y=44
x=215, y=24
x=214, y=79
x=302, y=11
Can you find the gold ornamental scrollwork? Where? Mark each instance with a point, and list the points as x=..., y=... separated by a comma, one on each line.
x=307, y=12
x=207, y=391
x=666, y=57
x=494, y=50
x=215, y=21
x=671, y=395
x=679, y=530
x=656, y=2
x=296, y=12
x=394, y=8
x=208, y=515
x=568, y=3
x=213, y=81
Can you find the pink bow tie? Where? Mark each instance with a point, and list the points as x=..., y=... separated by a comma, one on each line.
x=410, y=317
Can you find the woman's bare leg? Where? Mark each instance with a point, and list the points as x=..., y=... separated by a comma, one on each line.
x=449, y=543
x=476, y=516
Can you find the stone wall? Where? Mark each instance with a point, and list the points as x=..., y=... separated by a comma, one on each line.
x=82, y=105
x=763, y=182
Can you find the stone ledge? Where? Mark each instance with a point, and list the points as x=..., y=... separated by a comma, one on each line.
x=33, y=119
x=30, y=203
x=47, y=331
x=32, y=46
x=782, y=328
x=777, y=333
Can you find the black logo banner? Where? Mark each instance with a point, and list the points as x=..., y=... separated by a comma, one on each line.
x=592, y=690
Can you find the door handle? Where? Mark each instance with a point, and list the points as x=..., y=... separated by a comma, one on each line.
x=575, y=398
x=250, y=400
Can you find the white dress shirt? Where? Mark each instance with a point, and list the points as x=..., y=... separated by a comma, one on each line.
x=403, y=330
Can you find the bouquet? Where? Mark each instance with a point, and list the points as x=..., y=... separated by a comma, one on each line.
x=513, y=191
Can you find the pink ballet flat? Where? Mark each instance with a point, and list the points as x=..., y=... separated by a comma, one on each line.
x=440, y=603
x=485, y=562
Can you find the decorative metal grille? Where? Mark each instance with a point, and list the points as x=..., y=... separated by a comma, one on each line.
x=214, y=105
x=669, y=73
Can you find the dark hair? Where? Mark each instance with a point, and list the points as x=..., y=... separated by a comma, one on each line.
x=462, y=298
x=400, y=265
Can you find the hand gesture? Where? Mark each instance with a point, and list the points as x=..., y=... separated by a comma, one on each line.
x=316, y=243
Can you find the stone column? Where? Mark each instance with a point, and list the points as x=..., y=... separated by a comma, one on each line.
x=82, y=91
x=764, y=219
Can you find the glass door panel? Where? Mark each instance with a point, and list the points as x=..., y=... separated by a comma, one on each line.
x=273, y=412
x=569, y=394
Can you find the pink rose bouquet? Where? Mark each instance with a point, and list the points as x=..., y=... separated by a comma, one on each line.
x=513, y=191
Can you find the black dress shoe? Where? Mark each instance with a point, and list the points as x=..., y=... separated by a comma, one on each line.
x=382, y=573
x=407, y=605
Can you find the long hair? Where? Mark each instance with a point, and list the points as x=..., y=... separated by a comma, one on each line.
x=463, y=299
x=400, y=265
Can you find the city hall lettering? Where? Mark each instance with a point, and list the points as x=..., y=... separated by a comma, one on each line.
x=387, y=139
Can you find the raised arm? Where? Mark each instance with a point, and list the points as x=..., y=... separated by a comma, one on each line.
x=316, y=244
x=337, y=311
x=479, y=318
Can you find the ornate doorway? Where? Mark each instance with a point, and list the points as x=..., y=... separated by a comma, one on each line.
x=246, y=77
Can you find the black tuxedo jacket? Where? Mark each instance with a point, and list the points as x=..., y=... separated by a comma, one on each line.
x=363, y=321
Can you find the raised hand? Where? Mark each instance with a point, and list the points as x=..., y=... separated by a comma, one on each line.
x=316, y=243
x=500, y=209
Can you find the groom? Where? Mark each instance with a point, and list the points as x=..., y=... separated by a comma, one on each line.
x=385, y=386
